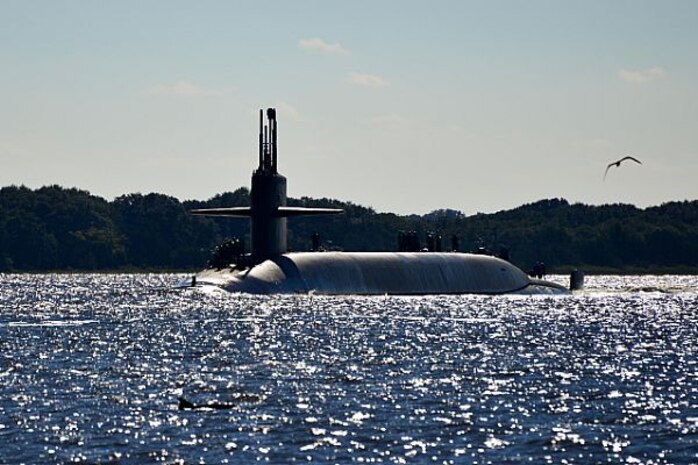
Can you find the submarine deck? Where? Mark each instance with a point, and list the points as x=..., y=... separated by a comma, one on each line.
x=378, y=273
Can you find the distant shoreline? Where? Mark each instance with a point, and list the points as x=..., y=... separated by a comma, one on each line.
x=54, y=229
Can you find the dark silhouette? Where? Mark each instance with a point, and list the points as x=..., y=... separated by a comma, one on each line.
x=538, y=270
x=184, y=404
x=455, y=243
x=401, y=241
x=576, y=280
x=227, y=254
x=315, y=239
x=268, y=210
x=618, y=162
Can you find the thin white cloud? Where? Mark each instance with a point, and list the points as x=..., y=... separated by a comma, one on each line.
x=640, y=76
x=319, y=45
x=387, y=119
x=185, y=88
x=367, y=80
x=287, y=111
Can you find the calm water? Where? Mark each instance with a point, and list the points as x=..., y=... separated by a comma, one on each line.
x=91, y=367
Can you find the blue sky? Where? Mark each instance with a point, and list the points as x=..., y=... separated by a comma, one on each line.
x=402, y=106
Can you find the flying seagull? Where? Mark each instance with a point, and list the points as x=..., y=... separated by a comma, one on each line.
x=618, y=162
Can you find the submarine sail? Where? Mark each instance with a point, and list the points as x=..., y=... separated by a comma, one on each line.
x=271, y=269
x=268, y=210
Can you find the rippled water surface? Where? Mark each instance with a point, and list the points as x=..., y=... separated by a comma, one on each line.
x=91, y=368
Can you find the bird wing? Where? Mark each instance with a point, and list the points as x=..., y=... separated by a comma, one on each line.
x=628, y=157
x=618, y=162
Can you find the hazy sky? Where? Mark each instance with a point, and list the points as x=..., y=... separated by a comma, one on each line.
x=399, y=105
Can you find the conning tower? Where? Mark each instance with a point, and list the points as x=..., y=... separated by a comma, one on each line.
x=268, y=211
x=268, y=193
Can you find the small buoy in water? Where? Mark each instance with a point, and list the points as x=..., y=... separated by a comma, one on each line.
x=576, y=280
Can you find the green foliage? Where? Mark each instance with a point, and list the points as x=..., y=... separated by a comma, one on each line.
x=54, y=228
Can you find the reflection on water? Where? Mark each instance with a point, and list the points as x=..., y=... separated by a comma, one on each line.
x=91, y=368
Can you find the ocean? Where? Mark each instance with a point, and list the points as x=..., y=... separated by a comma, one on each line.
x=92, y=367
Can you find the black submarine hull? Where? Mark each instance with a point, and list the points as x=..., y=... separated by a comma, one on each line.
x=379, y=273
x=271, y=270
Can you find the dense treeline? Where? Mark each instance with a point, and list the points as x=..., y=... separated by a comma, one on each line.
x=53, y=228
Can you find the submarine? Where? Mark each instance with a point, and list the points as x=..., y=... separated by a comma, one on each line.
x=270, y=268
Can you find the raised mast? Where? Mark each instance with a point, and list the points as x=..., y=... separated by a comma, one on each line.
x=268, y=194
x=268, y=209
x=261, y=140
